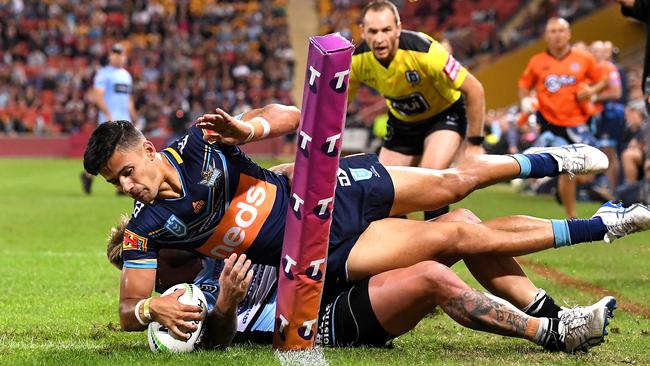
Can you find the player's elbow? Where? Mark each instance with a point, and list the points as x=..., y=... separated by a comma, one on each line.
x=293, y=114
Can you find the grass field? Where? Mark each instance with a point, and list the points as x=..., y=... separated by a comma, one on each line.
x=59, y=295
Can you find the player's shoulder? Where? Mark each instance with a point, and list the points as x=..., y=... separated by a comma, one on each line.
x=415, y=41
x=145, y=219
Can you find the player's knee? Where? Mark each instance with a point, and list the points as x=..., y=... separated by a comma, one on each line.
x=433, y=278
x=463, y=214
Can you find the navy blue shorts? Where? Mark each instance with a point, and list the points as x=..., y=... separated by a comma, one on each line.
x=610, y=125
x=364, y=193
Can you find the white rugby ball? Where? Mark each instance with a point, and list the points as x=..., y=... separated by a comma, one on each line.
x=161, y=339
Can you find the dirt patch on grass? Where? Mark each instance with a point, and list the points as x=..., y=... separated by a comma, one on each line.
x=584, y=286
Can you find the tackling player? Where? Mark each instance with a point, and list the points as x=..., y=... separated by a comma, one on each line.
x=209, y=197
x=371, y=313
x=430, y=95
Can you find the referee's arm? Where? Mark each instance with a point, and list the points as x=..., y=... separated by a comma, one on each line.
x=475, y=98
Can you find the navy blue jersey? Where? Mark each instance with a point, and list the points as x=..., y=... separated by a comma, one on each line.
x=229, y=204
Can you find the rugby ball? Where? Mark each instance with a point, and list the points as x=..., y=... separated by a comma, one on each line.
x=161, y=339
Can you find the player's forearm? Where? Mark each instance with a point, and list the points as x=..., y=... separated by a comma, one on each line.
x=609, y=94
x=272, y=120
x=128, y=320
x=132, y=112
x=221, y=326
x=101, y=105
x=475, y=110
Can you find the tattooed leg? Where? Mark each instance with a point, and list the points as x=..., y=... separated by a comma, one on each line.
x=401, y=298
x=479, y=311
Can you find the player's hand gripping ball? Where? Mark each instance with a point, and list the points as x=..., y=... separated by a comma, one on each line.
x=161, y=339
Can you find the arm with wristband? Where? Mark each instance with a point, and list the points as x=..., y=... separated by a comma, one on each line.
x=270, y=121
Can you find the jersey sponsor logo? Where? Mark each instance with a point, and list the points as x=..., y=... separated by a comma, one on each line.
x=360, y=174
x=409, y=105
x=210, y=177
x=452, y=68
x=249, y=208
x=412, y=76
x=197, y=206
x=553, y=82
x=175, y=226
x=122, y=88
x=133, y=241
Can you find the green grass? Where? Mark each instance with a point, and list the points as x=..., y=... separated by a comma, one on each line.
x=59, y=295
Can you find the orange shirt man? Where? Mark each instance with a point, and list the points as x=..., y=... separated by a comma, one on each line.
x=565, y=79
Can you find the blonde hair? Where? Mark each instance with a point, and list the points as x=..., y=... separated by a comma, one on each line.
x=115, y=239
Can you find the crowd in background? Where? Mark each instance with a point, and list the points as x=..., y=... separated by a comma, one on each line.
x=478, y=30
x=186, y=57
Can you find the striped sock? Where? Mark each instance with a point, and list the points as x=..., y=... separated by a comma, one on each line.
x=574, y=231
x=536, y=165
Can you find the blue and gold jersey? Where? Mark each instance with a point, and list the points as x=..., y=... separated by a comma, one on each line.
x=421, y=81
x=229, y=204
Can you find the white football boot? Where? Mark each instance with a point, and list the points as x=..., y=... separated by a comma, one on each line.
x=584, y=327
x=575, y=159
x=621, y=221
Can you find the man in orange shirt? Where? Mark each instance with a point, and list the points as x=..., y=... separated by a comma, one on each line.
x=565, y=81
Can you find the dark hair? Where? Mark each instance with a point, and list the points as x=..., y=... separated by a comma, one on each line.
x=106, y=138
x=377, y=5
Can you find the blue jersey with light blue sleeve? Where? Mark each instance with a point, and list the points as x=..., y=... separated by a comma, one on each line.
x=117, y=84
x=229, y=204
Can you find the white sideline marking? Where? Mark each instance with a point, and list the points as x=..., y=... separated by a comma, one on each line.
x=314, y=357
x=50, y=253
x=49, y=346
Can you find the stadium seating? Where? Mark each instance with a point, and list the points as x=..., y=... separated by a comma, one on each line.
x=193, y=55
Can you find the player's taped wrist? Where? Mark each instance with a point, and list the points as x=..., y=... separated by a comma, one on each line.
x=146, y=309
x=139, y=313
x=251, y=134
x=266, y=127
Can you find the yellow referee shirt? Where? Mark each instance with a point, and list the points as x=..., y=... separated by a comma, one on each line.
x=422, y=80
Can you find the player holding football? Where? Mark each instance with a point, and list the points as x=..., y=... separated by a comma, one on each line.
x=209, y=197
x=242, y=304
x=431, y=97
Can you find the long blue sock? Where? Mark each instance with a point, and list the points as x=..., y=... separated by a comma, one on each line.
x=536, y=165
x=574, y=231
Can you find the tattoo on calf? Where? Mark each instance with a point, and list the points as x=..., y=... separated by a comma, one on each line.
x=478, y=311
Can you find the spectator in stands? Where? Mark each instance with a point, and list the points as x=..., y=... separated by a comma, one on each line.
x=640, y=10
x=185, y=49
x=565, y=79
x=634, y=143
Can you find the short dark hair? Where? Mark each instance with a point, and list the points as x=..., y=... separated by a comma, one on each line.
x=108, y=137
x=377, y=5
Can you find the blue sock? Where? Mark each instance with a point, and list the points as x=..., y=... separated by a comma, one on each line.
x=536, y=165
x=574, y=231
